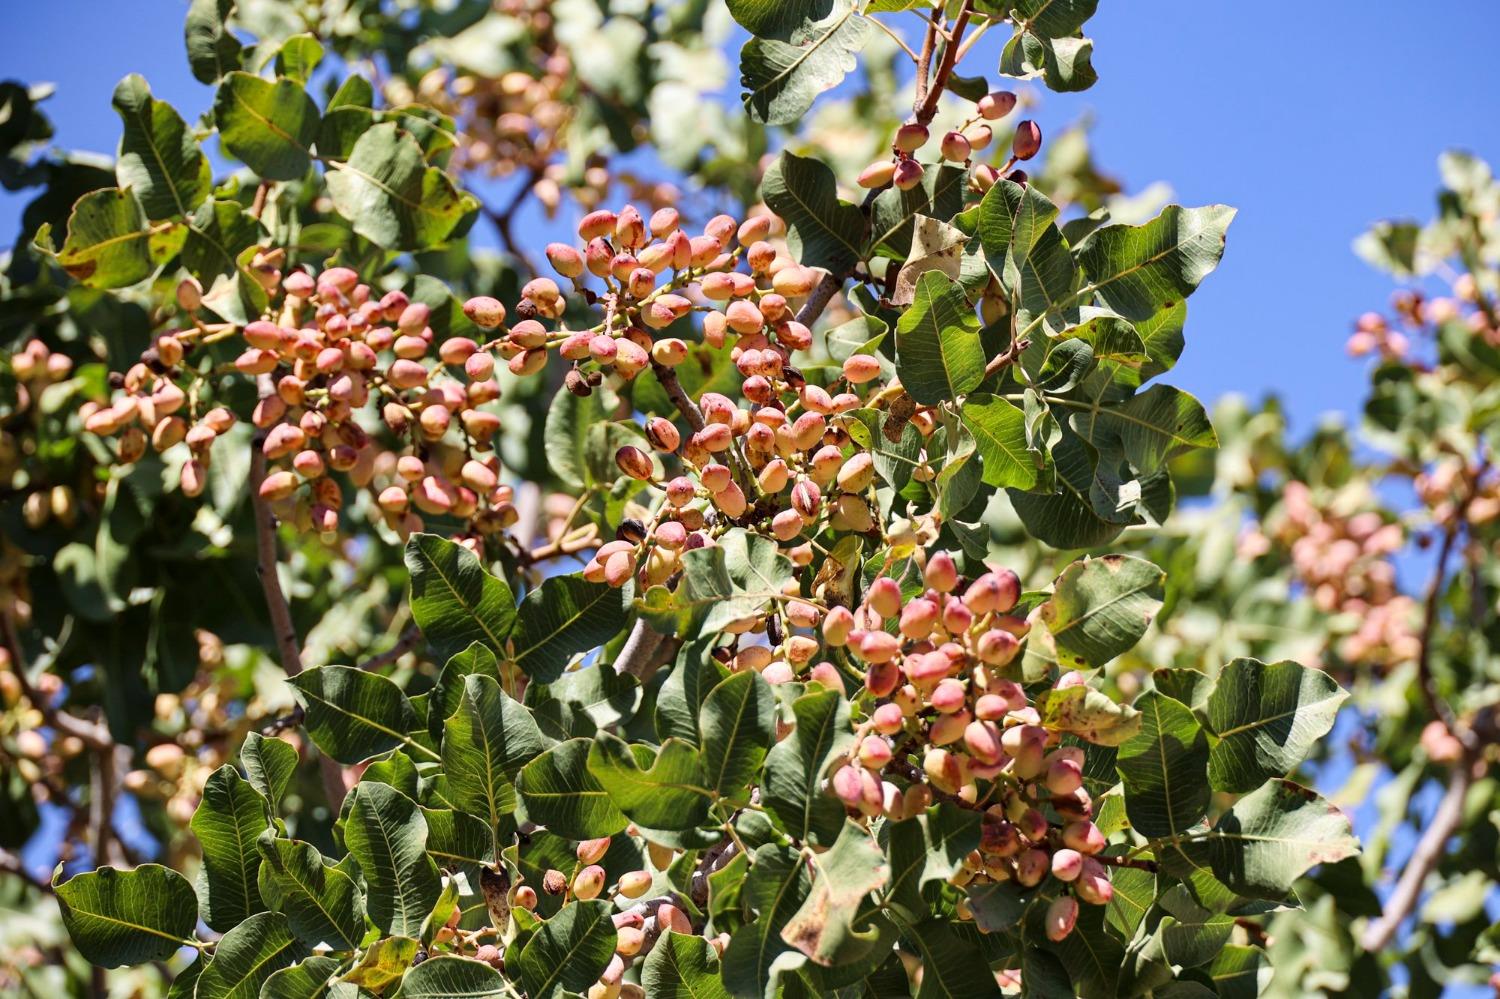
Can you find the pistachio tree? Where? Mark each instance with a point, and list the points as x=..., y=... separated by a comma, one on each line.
x=634, y=615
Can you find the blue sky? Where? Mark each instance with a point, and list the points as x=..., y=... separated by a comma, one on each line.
x=1313, y=125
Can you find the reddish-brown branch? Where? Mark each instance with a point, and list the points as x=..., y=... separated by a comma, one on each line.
x=928, y=100
x=11, y=864
x=408, y=641
x=818, y=300
x=1445, y=820
x=285, y=631
x=92, y=735
x=504, y=218
x=1424, y=858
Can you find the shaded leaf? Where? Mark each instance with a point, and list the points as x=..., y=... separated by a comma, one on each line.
x=159, y=159
x=453, y=599
x=128, y=917
x=1267, y=718
x=229, y=819
x=270, y=127
x=562, y=794
x=247, y=955
x=938, y=353
x=391, y=196
x=322, y=904
x=386, y=833
x=783, y=78
x=1101, y=607
x=353, y=715
x=1164, y=768
x=569, y=950
x=563, y=617
x=822, y=231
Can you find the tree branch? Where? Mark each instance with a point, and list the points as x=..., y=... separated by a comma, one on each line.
x=1424, y=858
x=818, y=300
x=685, y=405
x=927, y=107
x=640, y=648
x=404, y=644
x=11, y=864
x=93, y=735
x=285, y=631
x=504, y=217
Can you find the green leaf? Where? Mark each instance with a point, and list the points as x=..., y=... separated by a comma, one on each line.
x=110, y=244
x=775, y=889
x=353, y=715
x=999, y=429
x=1239, y=972
x=270, y=127
x=565, y=435
x=486, y=742
x=793, y=785
x=682, y=966
x=822, y=230
x=1139, y=270
x=391, y=196
x=680, y=698
x=582, y=701
x=128, y=917
x=658, y=790
x=1152, y=427
x=898, y=217
x=448, y=689
x=1092, y=955
x=782, y=79
x=449, y=977
x=1066, y=518
x=1090, y=714
x=453, y=599
x=827, y=926
x=562, y=794
x=1190, y=934
x=1065, y=64
x=298, y=56
x=954, y=967
x=569, y=950
x=1135, y=893
x=159, y=159
x=247, y=955
x=308, y=979
x=1267, y=718
x=732, y=580
x=217, y=233
x=1101, y=607
x=1024, y=248
x=563, y=617
x=738, y=722
x=1164, y=768
x=270, y=764
x=211, y=48
x=322, y=904
x=458, y=841
x=777, y=18
x=229, y=819
x=1269, y=839
x=387, y=835
x=927, y=848
x=938, y=353
x=383, y=964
